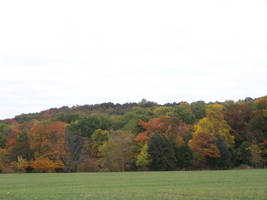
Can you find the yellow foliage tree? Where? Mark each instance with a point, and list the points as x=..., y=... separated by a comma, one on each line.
x=214, y=124
x=143, y=158
x=116, y=152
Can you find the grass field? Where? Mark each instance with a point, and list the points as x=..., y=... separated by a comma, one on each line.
x=231, y=184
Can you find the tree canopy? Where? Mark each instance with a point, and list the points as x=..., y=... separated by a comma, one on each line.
x=137, y=136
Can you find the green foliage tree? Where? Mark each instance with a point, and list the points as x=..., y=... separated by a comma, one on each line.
x=184, y=112
x=85, y=126
x=198, y=109
x=130, y=120
x=243, y=154
x=183, y=155
x=4, y=131
x=2, y=141
x=21, y=148
x=163, y=110
x=225, y=159
x=256, y=158
x=258, y=122
x=161, y=153
x=22, y=136
x=67, y=117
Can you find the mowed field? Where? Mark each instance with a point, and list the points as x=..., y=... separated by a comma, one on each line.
x=230, y=184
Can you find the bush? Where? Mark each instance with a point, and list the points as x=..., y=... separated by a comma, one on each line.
x=89, y=165
x=1, y=167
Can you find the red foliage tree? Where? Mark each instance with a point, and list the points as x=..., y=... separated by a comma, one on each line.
x=164, y=125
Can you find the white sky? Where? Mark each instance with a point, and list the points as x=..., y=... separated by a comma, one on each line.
x=59, y=52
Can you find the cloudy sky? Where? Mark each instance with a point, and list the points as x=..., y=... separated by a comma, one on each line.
x=59, y=52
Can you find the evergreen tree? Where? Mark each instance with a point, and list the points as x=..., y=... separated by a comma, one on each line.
x=161, y=153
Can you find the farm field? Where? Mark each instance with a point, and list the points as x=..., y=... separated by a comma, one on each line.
x=187, y=185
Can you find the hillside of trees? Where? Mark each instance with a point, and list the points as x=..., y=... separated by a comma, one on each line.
x=137, y=136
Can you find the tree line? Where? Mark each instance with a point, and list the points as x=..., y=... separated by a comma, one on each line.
x=137, y=136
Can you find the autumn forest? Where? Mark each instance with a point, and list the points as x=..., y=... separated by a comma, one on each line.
x=137, y=137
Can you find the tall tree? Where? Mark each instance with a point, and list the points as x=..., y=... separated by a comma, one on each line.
x=162, y=125
x=116, y=152
x=204, y=147
x=198, y=109
x=214, y=124
x=258, y=122
x=238, y=116
x=143, y=158
x=183, y=155
x=4, y=131
x=184, y=112
x=48, y=141
x=161, y=153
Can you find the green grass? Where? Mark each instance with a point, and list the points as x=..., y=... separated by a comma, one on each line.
x=231, y=184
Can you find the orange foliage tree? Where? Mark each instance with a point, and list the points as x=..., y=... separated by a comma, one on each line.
x=48, y=143
x=204, y=146
x=43, y=164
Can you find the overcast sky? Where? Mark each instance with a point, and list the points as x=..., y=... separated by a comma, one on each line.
x=59, y=52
